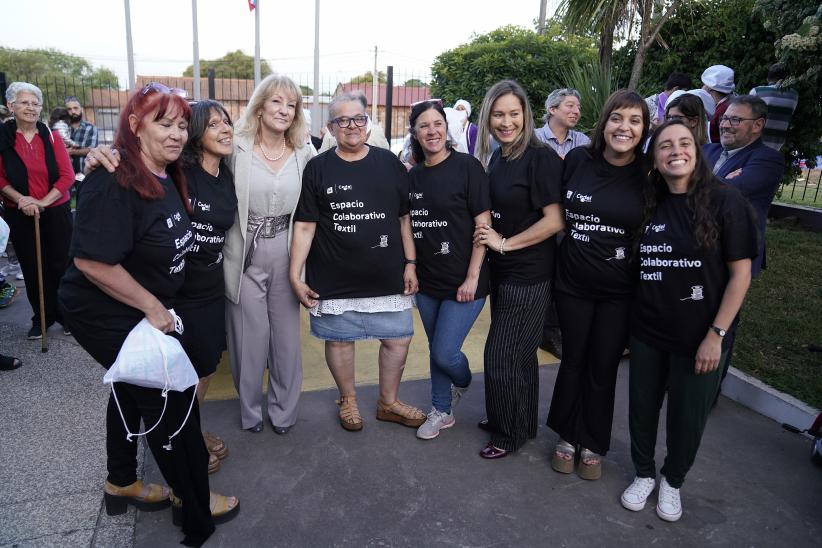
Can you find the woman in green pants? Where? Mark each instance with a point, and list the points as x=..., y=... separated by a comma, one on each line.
x=695, y=269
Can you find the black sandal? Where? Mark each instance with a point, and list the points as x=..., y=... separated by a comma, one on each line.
x=8, y=363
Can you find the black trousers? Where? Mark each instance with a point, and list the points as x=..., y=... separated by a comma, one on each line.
x=183, y=461
x=594, y=335
x=55, y=237
x=511, y=376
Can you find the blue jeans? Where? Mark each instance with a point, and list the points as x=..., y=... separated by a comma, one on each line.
x=446, y=324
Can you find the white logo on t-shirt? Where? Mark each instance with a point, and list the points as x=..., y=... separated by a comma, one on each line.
x=444, y=250
x=329, y=190
x=696, y=294
x=658, y=228
x=169, y=222
x=383, y=241
x=569, y=194
x=619, y=254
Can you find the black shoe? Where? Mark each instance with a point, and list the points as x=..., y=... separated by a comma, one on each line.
x=256, y=429
x=484, y=425
x=281, y=430
x=35, y=333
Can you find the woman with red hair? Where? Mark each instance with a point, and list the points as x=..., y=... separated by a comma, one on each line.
x=128, y=263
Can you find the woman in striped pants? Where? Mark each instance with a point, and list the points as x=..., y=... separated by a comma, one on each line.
x=525, y=198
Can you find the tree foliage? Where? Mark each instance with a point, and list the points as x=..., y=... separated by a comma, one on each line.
x=49, y=64
x=796, y=24
x=510, y=52
x=415, y=83
x=748, y=36
x=368, y=78
x=694, y=42
x=234, y=64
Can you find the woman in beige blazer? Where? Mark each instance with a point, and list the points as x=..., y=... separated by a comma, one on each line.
x=262, y=313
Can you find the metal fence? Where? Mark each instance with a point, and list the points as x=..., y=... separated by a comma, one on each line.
x=805, y=188
x=103, y=102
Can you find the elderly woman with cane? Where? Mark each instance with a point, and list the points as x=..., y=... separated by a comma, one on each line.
x=35, y=179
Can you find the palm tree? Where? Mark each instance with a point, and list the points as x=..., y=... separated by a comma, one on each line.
x=608, y=17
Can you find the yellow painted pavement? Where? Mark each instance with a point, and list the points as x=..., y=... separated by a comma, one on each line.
x=317, y=377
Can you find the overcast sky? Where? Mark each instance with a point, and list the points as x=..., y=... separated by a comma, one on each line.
x=408, y=33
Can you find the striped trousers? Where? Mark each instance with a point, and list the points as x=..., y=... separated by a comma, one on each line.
x=511, y=377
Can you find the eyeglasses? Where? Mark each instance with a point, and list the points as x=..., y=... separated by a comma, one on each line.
x=28, y=104
x=345, y=122
x=734, y=121
x=162, y=88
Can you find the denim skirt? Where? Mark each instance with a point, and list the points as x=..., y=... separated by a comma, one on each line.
x=355, y=326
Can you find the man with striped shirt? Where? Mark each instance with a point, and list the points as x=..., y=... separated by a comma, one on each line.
x=781, y=106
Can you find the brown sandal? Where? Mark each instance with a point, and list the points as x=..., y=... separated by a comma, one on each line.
x=350, y=417
x=215, y=445
x=221, y=510
x=401, y=413
x=213, y=463
x=146, y=497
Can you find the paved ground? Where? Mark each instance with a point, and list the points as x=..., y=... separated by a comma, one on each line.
x=752, y=484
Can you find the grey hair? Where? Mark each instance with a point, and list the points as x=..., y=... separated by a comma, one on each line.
x=347, y=97
x=556, y=97
x=16, y=87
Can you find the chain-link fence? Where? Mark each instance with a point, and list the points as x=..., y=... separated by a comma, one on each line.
x=395, y=94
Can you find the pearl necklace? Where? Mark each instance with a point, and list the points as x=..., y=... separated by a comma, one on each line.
x=267, y=157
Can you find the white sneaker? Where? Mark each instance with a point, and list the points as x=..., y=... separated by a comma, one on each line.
x=635, y=495
x=456, y=395
x=669, y=506
x=19, y=276
x=436, y=421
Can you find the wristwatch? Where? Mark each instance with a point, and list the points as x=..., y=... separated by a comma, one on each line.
x=719, y=331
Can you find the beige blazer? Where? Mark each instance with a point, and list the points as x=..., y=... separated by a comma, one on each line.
x=234, y=249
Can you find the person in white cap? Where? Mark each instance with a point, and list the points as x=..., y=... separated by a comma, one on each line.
x=470, y=130
x=718, y=80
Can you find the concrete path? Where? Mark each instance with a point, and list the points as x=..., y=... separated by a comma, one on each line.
x=752, y=484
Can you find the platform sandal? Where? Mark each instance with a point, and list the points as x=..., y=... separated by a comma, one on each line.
x=215, y=445
x=401, y=413
x=562, y=460
x=592, y=469
x=350, y=417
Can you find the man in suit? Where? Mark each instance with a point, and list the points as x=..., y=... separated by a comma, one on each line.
x=742, y=160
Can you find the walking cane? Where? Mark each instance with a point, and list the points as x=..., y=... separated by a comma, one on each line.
x=44, y=347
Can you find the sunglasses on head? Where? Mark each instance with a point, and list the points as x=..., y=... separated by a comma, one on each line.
x=162, y=88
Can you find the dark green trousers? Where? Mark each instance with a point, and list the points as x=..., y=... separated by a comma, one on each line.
x=690, y=398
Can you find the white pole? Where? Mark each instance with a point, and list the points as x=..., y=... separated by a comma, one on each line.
x=542, y=9
x=129, y=47
x=316, y=112
x=196, y=81
x=257, y=76
x=375, y=89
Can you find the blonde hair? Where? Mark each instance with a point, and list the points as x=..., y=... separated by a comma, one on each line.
x=249, y=123
x=525, y=139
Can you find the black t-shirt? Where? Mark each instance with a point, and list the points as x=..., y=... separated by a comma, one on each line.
x=214, y=204
x=519, y=190
x=604, y=207
x=681, y=286
x=357, y=249
x=445, y=198
x=148, y=238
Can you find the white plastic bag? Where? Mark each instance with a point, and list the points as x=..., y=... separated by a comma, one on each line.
x=4, y=234
x=152, y=359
